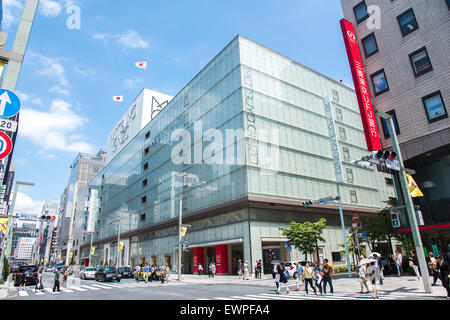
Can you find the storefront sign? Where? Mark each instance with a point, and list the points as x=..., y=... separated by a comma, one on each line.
x=361, y=87
x=333, y=139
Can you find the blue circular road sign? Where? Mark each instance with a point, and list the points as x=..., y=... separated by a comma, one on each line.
x=9, y=103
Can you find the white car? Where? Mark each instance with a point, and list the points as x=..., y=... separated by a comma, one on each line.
x=88, y=273
x=291, y=267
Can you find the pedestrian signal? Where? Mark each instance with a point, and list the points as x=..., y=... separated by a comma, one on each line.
x=395, y=219
x=308, y=203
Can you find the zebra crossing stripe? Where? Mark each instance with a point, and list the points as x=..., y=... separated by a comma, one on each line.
x=51, y=291
x=91, y=288
x=111, y=285
x=221, y=298
x=254, y=297
x=37, y=292
x=101, y=286
x=77, y=288
x=23, y=293
x=66, y=290
x=278, y=297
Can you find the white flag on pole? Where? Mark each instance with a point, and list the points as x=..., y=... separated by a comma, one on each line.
x=141, y=64
x=118, y=98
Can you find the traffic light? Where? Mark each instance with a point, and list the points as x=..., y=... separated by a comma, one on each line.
x=395, y=219
x=184, y=246
x=384, y=155
x=308, y=203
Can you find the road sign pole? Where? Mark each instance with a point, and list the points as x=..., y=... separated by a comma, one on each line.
x=341, y=215
x=409, y=205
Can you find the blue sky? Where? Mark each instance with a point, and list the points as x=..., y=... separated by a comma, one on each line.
x=69, y=77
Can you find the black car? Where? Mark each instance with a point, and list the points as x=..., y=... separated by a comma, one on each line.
x=389, y=266
x=29, y=272
x=125, y=272
x=107, y=274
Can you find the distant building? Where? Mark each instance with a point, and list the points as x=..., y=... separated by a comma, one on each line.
x=24, y=249
x=22, y=233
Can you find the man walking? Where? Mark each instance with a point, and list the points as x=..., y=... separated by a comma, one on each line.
x=433, y=266
x=56, y=284
x=240, y=269
x=327, y=271
x=398, y=262
x=200, y=269
x=138, y=272
x=444, y=270
x=299, y=275
x=146, y=269
x=259, y=267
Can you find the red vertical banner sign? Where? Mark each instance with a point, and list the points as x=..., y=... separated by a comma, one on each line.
x=198, y=258
x=361, y=87
x=222, y=259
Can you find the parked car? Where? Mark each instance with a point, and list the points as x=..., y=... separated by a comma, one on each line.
x=30, y=272
x=59, y=267
x=49, y=269
x=125, y=272
x=290, y=266
x=107, y=274
x=88, y=273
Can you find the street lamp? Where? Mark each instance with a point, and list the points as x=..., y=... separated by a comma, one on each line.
x=409, y=204
x=9, y=224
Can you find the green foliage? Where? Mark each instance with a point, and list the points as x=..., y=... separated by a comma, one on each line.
x=340, y=269
x=379, y=227
x=305, y=236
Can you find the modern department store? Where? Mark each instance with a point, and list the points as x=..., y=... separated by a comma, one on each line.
x=239, y=148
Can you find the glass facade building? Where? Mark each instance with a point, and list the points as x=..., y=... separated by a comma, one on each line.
x=239, y=148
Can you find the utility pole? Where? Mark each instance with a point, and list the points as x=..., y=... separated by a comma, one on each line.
x=409, y=204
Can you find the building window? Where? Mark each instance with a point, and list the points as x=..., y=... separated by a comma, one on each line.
x=353, y=197
x=389, y=181
x=346, y=153
x=335, y=96
x=147, y=135
x=448, y=4
x=349, y=175
x=379, y=82
x=420, y=62
x=387, y=135
x=342, y=133
x=144, y=199
x=407, y=22
x=434, y=107
x=145, y=166
x=339, y=114
x=186, y=100
x=144, y=183
x=370, y=45
x=147, y=150
x=336, y=256
x=143, y=217
x=360, y=11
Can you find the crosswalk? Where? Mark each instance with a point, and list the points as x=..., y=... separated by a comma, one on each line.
x=303, y=296
x=30, y=291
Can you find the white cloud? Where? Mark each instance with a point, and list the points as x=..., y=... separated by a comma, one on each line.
x=48, y=67
x=84, y=72
x=12, y=9
x=24, y=97
x=25, y=204
x=49, y=8
x=128, y=40
x=130, y=83
x=51, y=130
x=61, y=91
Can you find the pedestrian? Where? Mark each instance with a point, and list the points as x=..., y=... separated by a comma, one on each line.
x=371, y=275
x=240, y=269
x=138, y=272
x=210, y=270
x=276, y=276
x=327, y=272
x=146, y=270
x=246, y=271
x=167, y=269
x=200, y=269
x=22, y=281
x=433, y=267
x=162, y=274
x=414, y=263
x=398, y=258
x=39, y=282
x=299, y=270
x=255, y=267
x=363, y=277
x=444, y=271
x=308, y=278
x=65, y=274
x=213, y=270
x=317, y=276
x=152, y=273
x=283, y=278
x=378, y=269
x=56, y=279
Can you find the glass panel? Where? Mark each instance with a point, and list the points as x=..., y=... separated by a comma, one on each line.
x=360, y=12
x=407, y=22
x=379, y=82
x=421, y=62
x=370, y=45
x=435, y=107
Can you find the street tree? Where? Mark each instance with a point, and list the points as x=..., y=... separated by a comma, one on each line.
x=305, y=236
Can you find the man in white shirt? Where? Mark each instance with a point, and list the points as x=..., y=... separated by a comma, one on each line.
x=398, y=261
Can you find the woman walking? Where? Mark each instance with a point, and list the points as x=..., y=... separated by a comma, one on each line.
x=308, y=278
x=39, y=284
x=65, y=274
x=317, y=276
x=283, y=279
x=371, y=274
x=413, y=263
x=363, y=278
x=246, y=271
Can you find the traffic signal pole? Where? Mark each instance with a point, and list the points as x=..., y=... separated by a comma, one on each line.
x=409, y=205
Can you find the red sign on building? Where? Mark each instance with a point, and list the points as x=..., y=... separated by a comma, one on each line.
x=361, y=87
